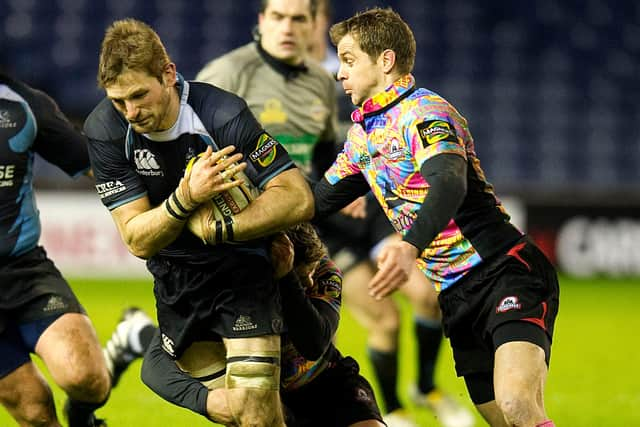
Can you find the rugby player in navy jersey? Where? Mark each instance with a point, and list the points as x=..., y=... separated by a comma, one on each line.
x=39, y=312
x=319, y=386
x=141, y=136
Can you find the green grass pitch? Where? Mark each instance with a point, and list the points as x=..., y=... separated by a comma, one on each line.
x=593, y=379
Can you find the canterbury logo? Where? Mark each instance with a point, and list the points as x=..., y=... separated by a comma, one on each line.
x=146, y=163
x=5, y=120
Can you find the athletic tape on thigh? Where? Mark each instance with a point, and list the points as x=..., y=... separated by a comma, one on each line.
x=260, y=370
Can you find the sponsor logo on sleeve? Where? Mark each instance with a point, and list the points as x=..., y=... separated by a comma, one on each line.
x=432, y=131
x=265, y=152
x=6, y=122
x=110, y=188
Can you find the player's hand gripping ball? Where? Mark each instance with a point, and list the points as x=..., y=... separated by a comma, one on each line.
x=223, y=205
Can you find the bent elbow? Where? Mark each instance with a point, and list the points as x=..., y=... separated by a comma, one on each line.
x=139, y=251
x=307, y=207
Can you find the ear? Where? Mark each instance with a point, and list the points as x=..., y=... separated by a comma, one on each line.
x=388, y=60
x=169, y=77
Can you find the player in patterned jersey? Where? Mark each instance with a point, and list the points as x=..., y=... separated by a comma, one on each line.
x=140, y=139
x=498, y=292
x=38, y=311
x=319, y=386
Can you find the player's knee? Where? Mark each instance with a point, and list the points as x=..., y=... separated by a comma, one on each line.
x=90, y=382
x=255, y=407
x=387, y=323
x=517, y=409
x=36, y=415
x=36, y=410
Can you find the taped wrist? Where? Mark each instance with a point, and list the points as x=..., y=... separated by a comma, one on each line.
x=179, y=205
x=221, y=231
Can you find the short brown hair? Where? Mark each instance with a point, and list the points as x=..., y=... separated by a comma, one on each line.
x=307, y=246
x=376, y=30
x=313, y=7
x=130, y=44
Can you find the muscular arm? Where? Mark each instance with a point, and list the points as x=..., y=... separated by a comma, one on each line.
x=286, y=200
x=146, y=229
x=303, y=314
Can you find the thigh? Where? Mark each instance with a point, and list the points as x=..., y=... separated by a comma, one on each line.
x=379, y=317
x=71, y=350
x=520, y=369
x=256, y=355
x=422, y=295
x=252, y=381
x=205, y=361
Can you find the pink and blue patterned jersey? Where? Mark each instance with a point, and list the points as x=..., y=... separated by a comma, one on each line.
x=393, y=134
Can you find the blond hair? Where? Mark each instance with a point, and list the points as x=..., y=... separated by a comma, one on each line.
x=130, y=44
x=376, y=30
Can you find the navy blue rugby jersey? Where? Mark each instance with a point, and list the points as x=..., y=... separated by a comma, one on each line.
x=128, y=165
x=30, y=123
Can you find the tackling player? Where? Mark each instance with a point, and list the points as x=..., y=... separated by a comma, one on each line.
x=141, y=136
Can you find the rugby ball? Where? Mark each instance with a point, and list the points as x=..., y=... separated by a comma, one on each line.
x=231, y=202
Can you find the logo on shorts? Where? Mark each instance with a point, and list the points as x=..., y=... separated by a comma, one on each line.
x=55, y=303
x=244, y=323
x=362, y=395
x=508, y=303
x=167, y=345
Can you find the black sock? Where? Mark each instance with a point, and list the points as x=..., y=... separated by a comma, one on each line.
x=385, y=365
x=429, y=336
x=80, y=414
x=145, y=335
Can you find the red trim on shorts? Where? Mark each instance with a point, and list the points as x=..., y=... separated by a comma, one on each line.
x=547, y=423
x=539, y=322
x=514, y=253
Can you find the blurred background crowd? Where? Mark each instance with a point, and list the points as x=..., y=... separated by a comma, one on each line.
x=549, y=87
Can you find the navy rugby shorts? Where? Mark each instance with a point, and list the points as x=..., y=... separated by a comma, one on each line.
x=233, y=298
x=33, y=294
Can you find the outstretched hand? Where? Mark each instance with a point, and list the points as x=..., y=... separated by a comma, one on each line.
x=396, y=261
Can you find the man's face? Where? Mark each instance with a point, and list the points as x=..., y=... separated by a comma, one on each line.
x=360, y=76
x=286, y=27
x=143, y=100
